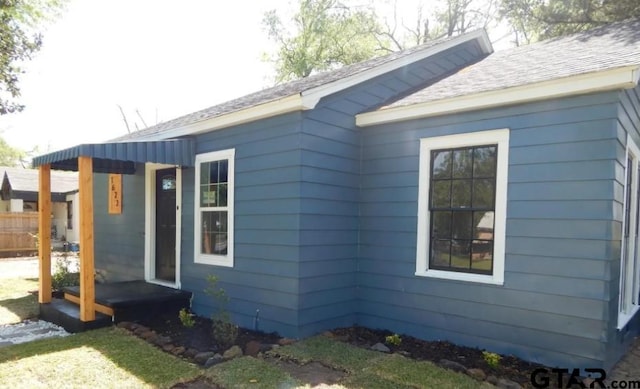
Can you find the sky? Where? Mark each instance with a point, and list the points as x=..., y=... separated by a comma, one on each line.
x=157, y=59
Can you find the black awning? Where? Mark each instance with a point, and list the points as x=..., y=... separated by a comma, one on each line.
x=121, y=157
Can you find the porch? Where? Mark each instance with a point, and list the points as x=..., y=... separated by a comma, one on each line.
x=91, y=305
x=114, y=302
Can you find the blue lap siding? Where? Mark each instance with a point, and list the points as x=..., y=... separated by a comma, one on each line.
x=561, y=234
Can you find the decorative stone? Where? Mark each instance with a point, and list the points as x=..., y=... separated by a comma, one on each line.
x=201, y=358
x=478, y=374
x=252, y=348
x=161, y=340
x=264, y=347
x=380, y=347
x=140, y=330
x=492, y=379
x=149, y=336
x=404, y=353
x=125, y=324
x=233, y=352
x=451, y=365
x=178, y=350
x=190, y=353
x=504, y=383
x=168, y=347
x=214, y=360
x=286, y=341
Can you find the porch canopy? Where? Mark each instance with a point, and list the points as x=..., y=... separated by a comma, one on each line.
x=121, y=157
x=114, y=157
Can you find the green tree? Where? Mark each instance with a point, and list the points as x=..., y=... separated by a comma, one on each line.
x=326, y=34
x=10, y=156
x=533, y=20
x=19, y=40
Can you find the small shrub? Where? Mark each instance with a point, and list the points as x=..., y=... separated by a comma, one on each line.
x=393, y=340
x=62, y=277
x=186, y=318
x=492, y=359
x=224, y=331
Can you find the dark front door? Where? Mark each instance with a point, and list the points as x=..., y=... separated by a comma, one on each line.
x=166, y=225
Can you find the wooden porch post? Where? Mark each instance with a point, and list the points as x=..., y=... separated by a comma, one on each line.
x=87, y=269
x=44, y=233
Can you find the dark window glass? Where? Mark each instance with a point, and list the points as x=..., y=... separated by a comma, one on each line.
x=462, y=206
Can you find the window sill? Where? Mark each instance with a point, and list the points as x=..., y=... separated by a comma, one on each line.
x=456, y=276
x=625, y=318
x=214, y=260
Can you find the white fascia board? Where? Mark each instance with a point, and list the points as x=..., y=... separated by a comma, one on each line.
x=284, y=105
x=620, y=78
x=312, y=96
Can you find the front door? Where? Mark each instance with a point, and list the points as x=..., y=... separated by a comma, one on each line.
x=165, y=239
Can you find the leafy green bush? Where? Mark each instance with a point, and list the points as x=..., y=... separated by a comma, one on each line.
x=62, y=276
x=186, y=318
x=393, y=340
x=492, y=359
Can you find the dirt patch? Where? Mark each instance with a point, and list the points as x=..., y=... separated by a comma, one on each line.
x=313, y=373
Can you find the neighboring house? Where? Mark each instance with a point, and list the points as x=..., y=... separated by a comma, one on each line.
x=19, y=193
x=446, y=192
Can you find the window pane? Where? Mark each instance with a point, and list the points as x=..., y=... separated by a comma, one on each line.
x=204, y=173
x=440, y=195
x=208, y=195
x=441, y=225
x=484, y=161
x=461, y=226
x=214, y=230
x=482, y=255
x=461, y=194
x=223, y=170
x=483, y=225
x=440, y=250
x=441, y=164
x=222, y=195
x=213, y=172
x=484, y=193
x=461, y=254
x=462, y=163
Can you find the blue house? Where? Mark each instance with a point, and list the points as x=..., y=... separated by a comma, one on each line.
x=446, y=191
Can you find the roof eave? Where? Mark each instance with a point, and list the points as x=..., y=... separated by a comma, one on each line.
x=619, y=78
x=308, y=99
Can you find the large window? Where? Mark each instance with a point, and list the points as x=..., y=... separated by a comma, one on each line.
x=462, y=206
x=214, y=208
x=629, y=267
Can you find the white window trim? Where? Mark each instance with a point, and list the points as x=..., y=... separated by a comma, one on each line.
x=499, y=137
x=213, y=259
x=632, y=274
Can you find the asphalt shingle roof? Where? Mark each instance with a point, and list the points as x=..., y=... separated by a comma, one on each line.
x=277, y=92
x=603, y=48
x=26, y=180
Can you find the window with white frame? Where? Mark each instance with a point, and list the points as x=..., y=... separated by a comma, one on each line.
x=462, y=206
x=214, y=190
x=629, y=267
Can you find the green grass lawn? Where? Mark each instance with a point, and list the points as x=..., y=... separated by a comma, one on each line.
x=16, y=304
x=113, y=358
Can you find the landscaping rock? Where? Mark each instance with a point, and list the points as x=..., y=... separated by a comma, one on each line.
x=404, y=353
x=214, y=360
x=190, y=353
x=125, y=324
x=149, y=336
x=201, y=358
x=504, y=383
x=264, y=347
x=380, y=347
x=168, y=347
x=286, y=341
x=478, y=374
x=233, y=352
x=178, y=350
x=141, y=330
x=252, y=348
x=161, y=340
x=492, y=379
x=451, y=365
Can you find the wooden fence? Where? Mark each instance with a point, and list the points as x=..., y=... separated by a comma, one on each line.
x=17, y=232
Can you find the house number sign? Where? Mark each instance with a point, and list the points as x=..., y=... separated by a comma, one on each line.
x=115, y=194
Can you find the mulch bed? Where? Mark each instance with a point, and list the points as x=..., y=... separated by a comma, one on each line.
x=199, y=339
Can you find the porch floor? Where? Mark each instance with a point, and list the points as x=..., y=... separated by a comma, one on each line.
x=130, y=301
